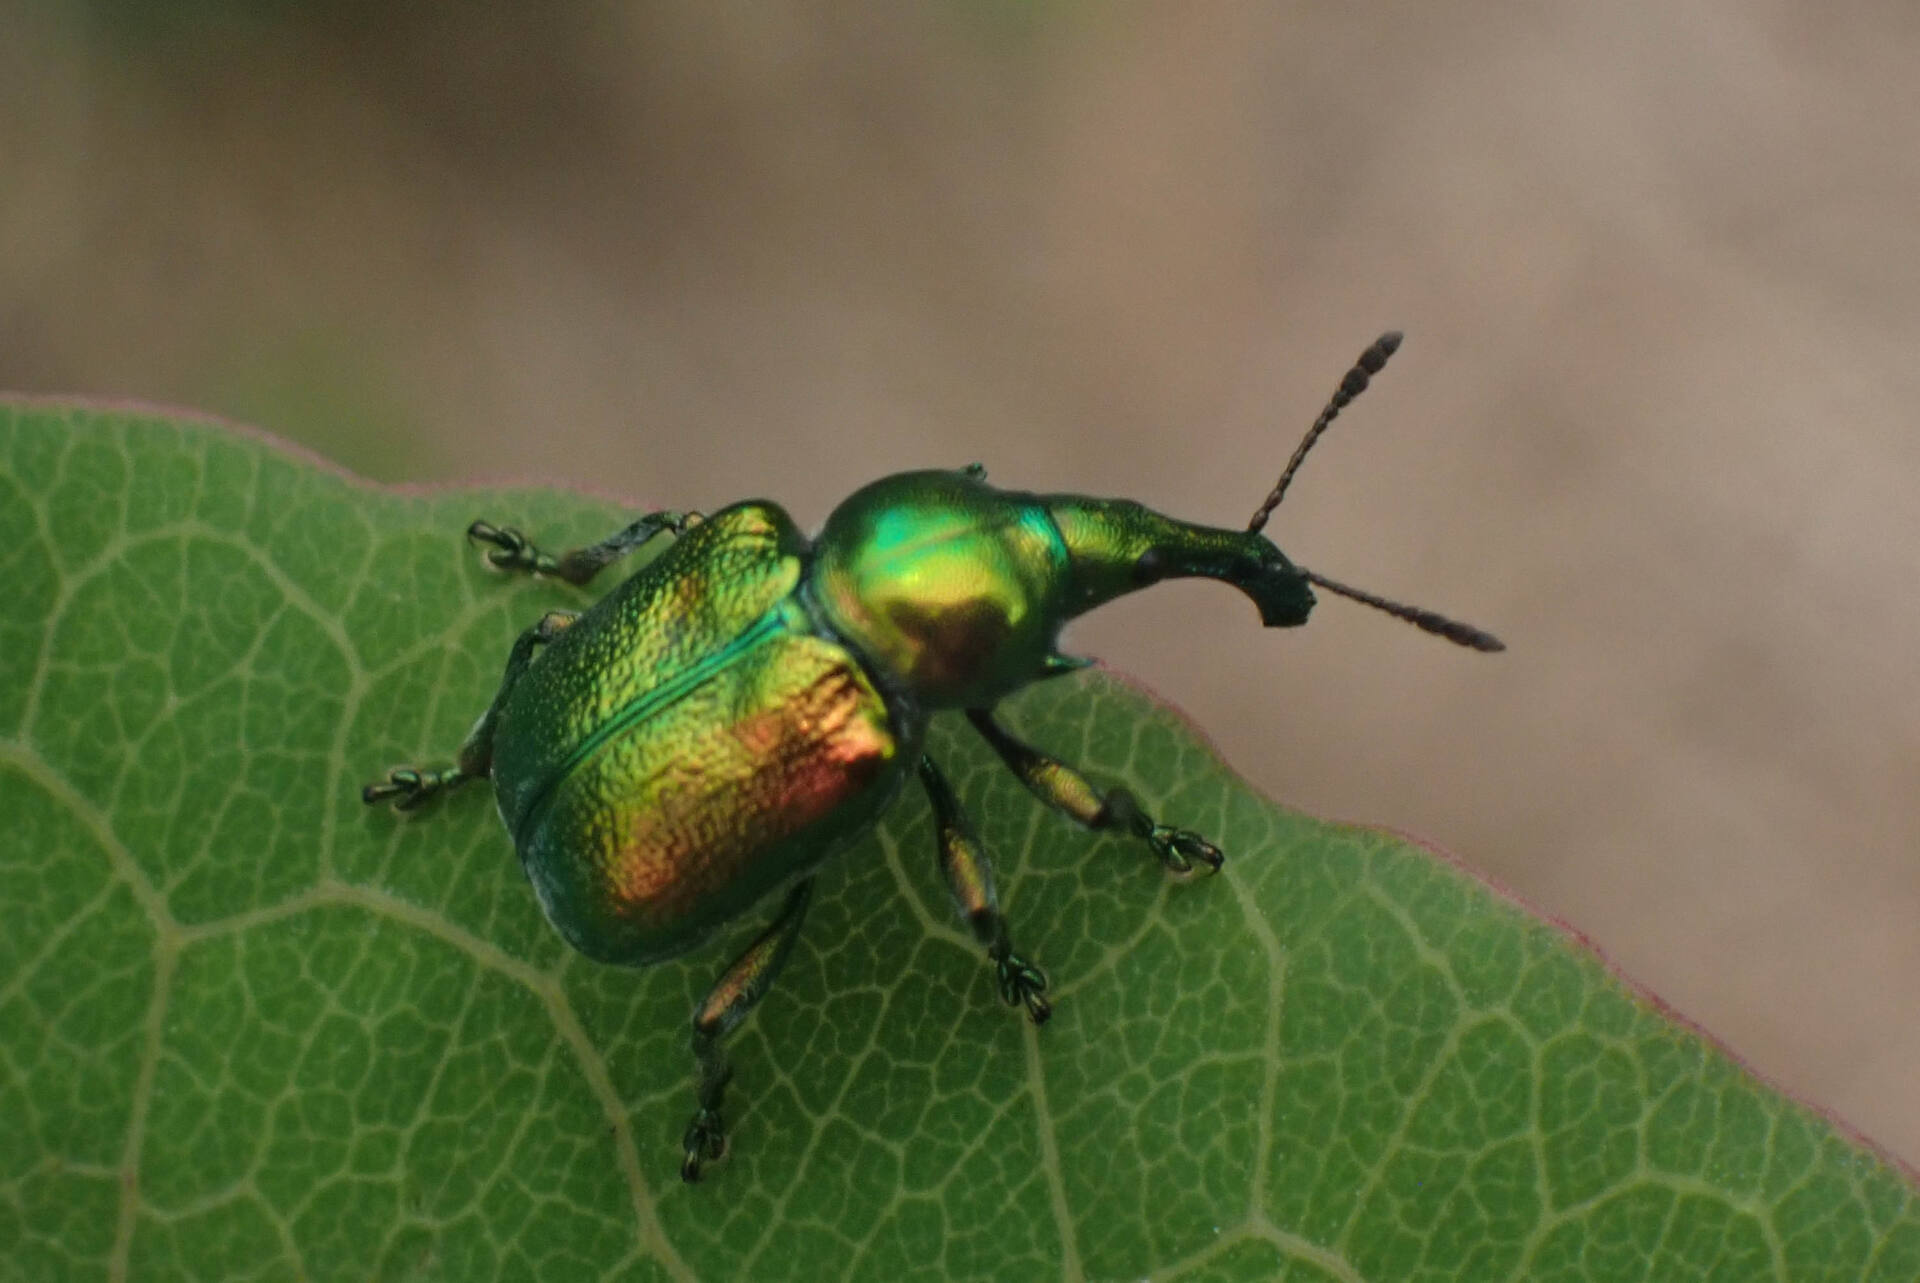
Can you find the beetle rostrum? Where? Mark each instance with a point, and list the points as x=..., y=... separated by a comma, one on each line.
x=704, y=736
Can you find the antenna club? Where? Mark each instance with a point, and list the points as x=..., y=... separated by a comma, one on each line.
x=1481, y=641
x=1371, y=362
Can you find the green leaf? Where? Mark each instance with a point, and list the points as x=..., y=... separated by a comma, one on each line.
x=253, y=1029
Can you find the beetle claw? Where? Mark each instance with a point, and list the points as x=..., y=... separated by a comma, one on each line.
x=408, y=787
x=1022, y=985
x=511, y=549
x=1182, y=849
x=705, y=1142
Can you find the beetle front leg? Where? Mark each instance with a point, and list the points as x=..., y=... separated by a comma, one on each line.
x=963, y=861
x=733, y=995
x=1072, y=794
x=513, y=551
x=410, y=786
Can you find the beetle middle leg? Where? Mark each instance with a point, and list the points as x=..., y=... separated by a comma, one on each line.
x=513, y=551
x=970, y=878
x=733, y=995
x=410, y=786
x=1073, y=794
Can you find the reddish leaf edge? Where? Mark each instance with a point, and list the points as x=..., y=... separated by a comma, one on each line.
x=1641, y=993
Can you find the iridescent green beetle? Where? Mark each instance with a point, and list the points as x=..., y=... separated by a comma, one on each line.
x=711, y=730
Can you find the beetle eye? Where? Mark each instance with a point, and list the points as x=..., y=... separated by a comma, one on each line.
x=1150, y=567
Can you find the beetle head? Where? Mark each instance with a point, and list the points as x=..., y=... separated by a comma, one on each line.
x=955, y=591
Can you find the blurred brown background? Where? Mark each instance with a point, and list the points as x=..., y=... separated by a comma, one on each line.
x=1654, y=423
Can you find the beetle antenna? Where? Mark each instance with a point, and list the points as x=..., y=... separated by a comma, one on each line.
x=1452, y=629
x=1371, y=362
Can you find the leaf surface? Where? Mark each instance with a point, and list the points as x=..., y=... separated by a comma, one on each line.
x=250, y=1029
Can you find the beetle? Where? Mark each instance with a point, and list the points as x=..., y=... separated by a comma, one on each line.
x=707, y=733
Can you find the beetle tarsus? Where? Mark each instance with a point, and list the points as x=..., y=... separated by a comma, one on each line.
x=705, y=1142
x=1181, y=851
x=1023, y=985
x=514, y=551
x=1066, y=790
x=1184, y=852
x=511, y=550
x=408, y=787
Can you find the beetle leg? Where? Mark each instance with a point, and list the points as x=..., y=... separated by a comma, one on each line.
x=970, y=878
x=1072, y=794
x=733, y=995
x=410, y=786
x=513, y=551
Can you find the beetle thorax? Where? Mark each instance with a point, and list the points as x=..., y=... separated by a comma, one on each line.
x=948, y=587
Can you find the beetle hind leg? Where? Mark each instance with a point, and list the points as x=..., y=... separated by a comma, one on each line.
x=1066, y=790
x=963, y=861
x=733, y=995
x=512, y=550
x=408, y=787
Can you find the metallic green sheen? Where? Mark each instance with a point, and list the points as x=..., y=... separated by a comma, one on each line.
x=956, y=591
x=691, y=743
x=716, y=725
x=745, y=702
x=953, y=589
x=1119, y=546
